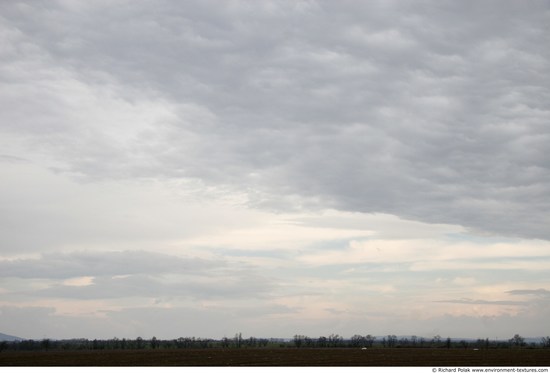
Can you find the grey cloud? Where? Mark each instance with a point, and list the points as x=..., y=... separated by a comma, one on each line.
x=29, y=322
x=212, y=322
x=501, y=327
x=435, y=112
x=131, y=274
x=86, y=263
x=481, y=301
x=538, y=292
x=11, y=159
x=204, y=287
x=541, y=300
x=204, y=322
x=43, y=211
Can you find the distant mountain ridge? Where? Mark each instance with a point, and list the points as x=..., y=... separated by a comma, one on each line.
x=9, y=338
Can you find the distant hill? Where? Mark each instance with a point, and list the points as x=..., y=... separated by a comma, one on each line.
x=10, y=338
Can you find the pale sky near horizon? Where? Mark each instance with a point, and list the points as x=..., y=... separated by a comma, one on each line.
x=203, y=168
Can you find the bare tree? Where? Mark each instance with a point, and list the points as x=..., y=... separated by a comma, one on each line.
x=154, y=343
x=238, y=340
x=392, y=340
x=517, y=340
x=225, y=342
x=369, y=340
x=335, y=340
x=357, y=340
x=298, y=340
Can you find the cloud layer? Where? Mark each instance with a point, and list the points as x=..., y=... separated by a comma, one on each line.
x=318, y=164
x=436, y=112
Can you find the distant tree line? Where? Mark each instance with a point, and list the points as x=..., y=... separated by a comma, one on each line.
x=392, y=341
x=298, y=341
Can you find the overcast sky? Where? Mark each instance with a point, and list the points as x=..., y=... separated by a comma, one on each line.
x=202, y=168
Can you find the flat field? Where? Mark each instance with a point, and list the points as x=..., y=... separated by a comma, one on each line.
x=282, y=357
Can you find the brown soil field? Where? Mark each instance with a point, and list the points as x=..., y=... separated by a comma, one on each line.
x=282, y=357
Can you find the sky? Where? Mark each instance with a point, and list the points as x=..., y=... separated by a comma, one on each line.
x=204, y=168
